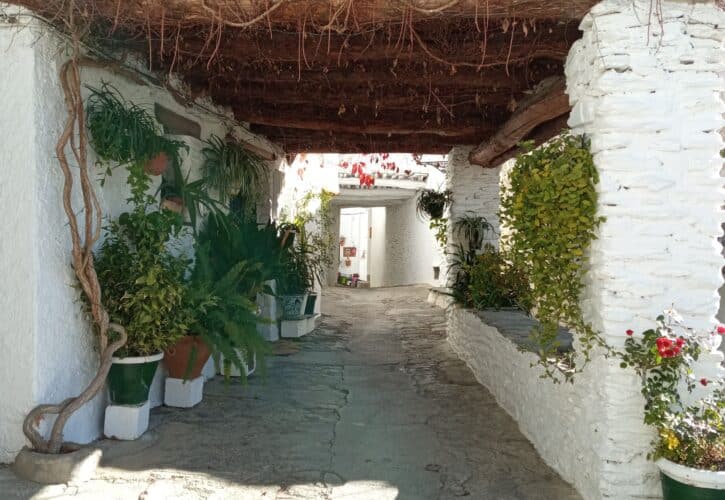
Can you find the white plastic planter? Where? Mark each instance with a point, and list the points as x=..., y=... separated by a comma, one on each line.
x=234, y=371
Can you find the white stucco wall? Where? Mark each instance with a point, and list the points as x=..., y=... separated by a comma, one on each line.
x=653, y=113
x=48, y=350
x=376, y=265
x=475, y=190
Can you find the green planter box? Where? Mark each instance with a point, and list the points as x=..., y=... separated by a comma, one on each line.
x=129, y=379
x=685, y=483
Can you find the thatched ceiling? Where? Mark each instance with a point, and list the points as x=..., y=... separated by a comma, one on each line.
x=350, y=75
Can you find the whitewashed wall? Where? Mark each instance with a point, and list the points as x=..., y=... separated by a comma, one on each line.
x=47, y=350
x=475, y=190
x=377, y=265
x=653, y=111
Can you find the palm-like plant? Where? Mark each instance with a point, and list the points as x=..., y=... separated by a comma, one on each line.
x=231, y=169
x=471, y=229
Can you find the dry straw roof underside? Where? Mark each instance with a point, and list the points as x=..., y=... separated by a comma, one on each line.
x=351, y=75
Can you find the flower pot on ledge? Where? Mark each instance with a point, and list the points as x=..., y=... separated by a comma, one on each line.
x=176, y=357
x=129, y=379
x=680, y=482
x=157, y=165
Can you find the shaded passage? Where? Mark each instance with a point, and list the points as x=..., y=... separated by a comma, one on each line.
x=371, y=405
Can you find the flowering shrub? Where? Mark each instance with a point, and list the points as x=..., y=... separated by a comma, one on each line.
x=691, y=435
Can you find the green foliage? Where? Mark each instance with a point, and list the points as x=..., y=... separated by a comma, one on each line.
x=551, y=208
x=142, y=281
x=432, y=203
x=691, y=435
x=297, y=273
x=493, y=283
x=231, y=169
x=220, y=302
x=194, y=196
x=470, y=230
x=313, y=253
x=439, y=227
x=123, y=132
x=231, y=240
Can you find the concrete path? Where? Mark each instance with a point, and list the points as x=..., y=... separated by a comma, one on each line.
x=373, y=406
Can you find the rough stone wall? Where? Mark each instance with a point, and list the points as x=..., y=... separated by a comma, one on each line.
x=651, y=105
x=475, y=189
x=48, y=350
x=411, y=250
x=561, y=420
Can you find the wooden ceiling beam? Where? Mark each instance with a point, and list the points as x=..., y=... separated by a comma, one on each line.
x=328, y=142
x=547, y=103
x=267, y=124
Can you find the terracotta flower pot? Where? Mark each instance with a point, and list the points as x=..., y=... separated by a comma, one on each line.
x=177, y=357
x=157, y=165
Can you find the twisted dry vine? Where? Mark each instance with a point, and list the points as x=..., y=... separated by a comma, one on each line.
x=74, y=136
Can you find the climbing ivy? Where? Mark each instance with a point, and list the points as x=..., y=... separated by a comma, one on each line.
x=551, y=208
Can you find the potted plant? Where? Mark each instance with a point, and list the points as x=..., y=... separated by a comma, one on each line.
x=143, y=290
x=125, y=133
x=432, y=203
x=294, y=282
x=226, y=267
x=689, y=447
x=231, y=169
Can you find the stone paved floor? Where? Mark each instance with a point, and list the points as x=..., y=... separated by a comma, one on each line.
x=373, y=406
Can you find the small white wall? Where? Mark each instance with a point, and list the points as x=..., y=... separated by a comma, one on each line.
x=411, y=250
x=475, y=190
x=376, y=265
x=48, y=349
x=563, y=421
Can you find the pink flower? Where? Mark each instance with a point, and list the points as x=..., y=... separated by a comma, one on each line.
x=629, y=332
x=721, y=330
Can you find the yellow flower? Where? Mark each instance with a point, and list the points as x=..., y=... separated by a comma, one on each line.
x=670, y=439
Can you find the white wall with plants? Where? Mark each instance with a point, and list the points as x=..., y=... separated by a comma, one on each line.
x=48, y=347
x=646, y=192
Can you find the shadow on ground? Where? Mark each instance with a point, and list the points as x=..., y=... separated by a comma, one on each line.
x=374, y=405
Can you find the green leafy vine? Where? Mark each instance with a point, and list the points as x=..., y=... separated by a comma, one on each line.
x=551, y=208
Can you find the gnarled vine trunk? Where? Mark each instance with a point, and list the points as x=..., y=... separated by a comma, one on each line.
x=74, y=136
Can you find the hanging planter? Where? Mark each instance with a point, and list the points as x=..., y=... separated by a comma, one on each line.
x=157, y=165
x=129, y=379
x=187, y=357
x=433, y=203
x=686, y=483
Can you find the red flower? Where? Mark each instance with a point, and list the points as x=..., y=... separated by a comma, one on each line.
x=666, y=348
x=680, y=341
x=721, y=330
x=629, y=332
x=703, y=381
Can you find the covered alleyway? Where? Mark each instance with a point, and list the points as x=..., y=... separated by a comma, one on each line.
x=372, y=405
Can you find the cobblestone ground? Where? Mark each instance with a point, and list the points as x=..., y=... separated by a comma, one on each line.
x=373, y=405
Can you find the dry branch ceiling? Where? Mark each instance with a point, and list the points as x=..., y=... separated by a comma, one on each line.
x=350, y=75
